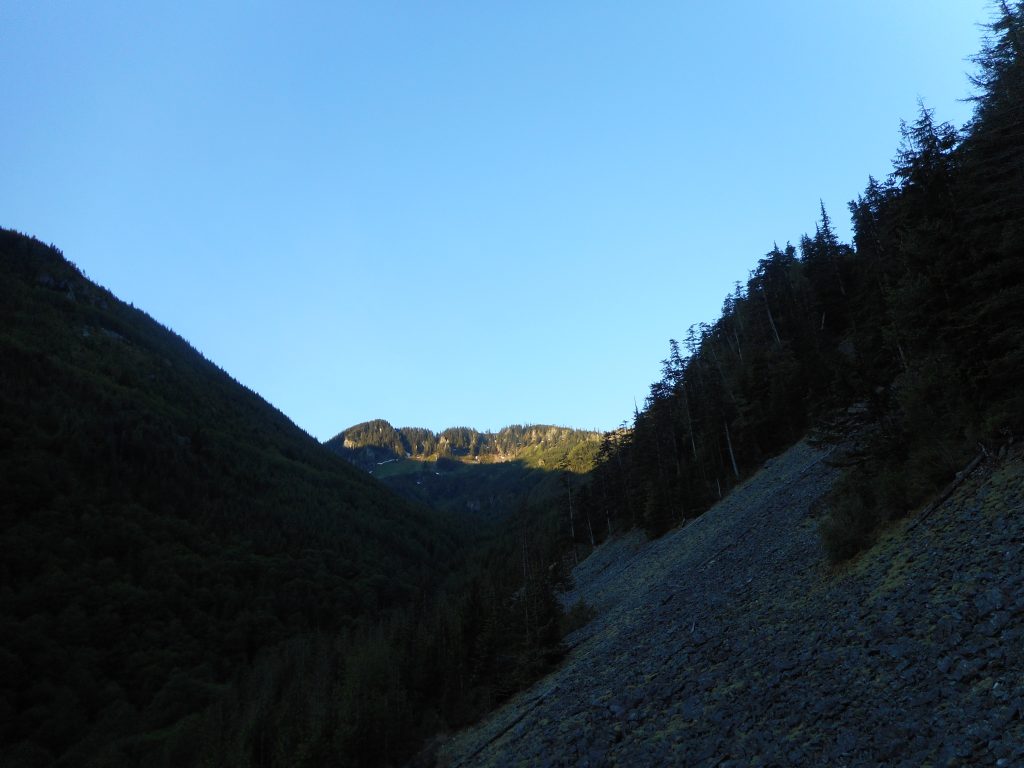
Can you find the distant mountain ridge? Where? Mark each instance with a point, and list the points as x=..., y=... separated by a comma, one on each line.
x=372, y=442
x=463, y=470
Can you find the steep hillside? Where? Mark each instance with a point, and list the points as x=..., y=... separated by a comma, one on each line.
x=731, y=642
x=162, y=527
x=485, y=474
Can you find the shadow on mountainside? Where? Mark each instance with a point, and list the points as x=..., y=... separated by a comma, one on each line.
x=491, y=491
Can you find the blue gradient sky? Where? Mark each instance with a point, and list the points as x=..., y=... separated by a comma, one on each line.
x=452, y=213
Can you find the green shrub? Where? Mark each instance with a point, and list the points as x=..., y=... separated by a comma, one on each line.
x=849, y=527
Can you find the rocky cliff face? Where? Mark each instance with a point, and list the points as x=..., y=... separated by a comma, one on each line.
x=731, y=643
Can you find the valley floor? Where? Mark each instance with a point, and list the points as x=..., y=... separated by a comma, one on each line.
x=730, y=642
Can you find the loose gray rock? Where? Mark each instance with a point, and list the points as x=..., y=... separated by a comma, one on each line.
x=731, y=642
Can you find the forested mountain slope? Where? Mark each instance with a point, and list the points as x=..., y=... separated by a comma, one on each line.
x=162, y=527
x=731, y=642
x=919, y=324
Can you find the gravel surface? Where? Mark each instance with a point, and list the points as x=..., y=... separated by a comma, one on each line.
x=730, y=642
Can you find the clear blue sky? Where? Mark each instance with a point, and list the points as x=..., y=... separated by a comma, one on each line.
x=452, y=213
